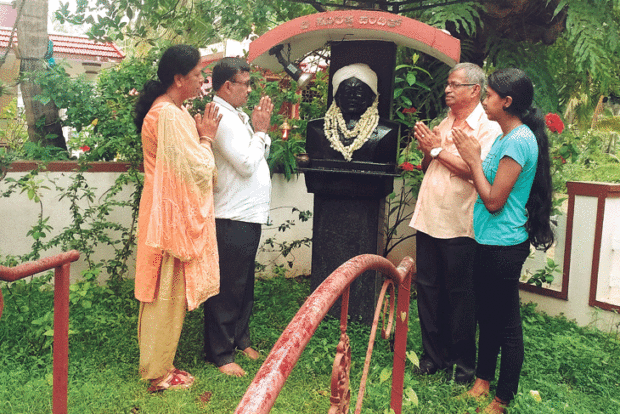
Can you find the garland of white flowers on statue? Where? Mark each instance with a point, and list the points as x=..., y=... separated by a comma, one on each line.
x=335, y=125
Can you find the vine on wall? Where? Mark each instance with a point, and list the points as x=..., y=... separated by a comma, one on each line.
x=89, y=227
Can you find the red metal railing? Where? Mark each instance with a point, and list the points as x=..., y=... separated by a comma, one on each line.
x=61, y=263
x=264, y=389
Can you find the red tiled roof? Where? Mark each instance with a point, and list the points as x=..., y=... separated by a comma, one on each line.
x=73, y=47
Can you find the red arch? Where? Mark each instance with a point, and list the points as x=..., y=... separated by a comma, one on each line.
x=311, y=32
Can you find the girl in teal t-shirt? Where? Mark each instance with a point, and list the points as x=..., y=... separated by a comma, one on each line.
x=506, y=227
x=512, y=212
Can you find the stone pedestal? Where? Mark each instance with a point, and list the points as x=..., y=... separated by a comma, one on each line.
x=348, y=221
x=345, y=227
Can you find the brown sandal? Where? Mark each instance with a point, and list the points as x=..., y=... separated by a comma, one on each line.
x=185, y=374
x=479, y=391
x=497, y=406
x=175, y=380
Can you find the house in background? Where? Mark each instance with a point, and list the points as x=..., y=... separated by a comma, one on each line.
x=227, y=48
x=80, y=55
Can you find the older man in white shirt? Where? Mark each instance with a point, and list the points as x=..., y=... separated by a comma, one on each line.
x=443, y=218
x=242, y=195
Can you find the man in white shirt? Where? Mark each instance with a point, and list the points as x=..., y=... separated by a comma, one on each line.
x=241, y=195
x=443, y=218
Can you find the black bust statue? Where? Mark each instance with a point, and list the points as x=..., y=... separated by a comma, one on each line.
x=352, y=129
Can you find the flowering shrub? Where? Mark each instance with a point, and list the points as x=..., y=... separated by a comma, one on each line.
x=554, y=123
x=562, y=149
x=407, y=166
x=578, y=155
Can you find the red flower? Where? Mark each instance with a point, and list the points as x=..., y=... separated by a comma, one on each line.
x=418, y=167
x=411, y=110
x=407, y=166
x=554, y=123
x=85, y=148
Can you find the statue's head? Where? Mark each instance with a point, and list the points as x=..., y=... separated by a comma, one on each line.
x=354, y=88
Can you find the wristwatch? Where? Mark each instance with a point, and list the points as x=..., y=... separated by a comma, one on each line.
x=435, y=152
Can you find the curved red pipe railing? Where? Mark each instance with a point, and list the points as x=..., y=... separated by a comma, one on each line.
x=61, y=264
x=268, y=382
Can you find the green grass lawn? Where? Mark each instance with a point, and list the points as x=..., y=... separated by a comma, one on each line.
x=576, y=370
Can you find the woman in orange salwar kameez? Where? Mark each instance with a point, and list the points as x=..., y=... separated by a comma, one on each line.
x=177, y=261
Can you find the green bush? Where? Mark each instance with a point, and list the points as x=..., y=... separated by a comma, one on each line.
x=582, y=156
x=101, y=113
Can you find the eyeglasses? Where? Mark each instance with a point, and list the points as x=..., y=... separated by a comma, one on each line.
x=248, y=84
x=454, y=85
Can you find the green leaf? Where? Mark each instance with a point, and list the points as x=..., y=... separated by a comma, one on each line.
x=43, y=99
x=423, y=86
x=413, y=358
x=411, y=78
x=398, y=67
x=411, y=397
x=385, y=374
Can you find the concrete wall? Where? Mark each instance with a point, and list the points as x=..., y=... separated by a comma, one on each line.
x=18, y=214
x=588, y=291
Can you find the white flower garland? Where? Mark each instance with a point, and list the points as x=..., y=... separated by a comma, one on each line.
x=335, y=125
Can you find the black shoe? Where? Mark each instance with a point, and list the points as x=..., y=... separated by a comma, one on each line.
x=427, y=367
x=462, y=376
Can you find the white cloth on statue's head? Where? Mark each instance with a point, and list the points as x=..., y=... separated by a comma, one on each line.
x=360, y=71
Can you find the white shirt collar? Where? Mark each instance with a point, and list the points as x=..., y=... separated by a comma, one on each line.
x=473, y=120
x=221, y=102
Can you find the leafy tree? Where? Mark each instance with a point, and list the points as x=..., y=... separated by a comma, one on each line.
x=568, y=47
x=197, y=22
x=571, y=48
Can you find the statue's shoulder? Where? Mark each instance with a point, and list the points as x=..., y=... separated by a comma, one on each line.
x=387, y=128
x=388, y=124
x=316, y=122
x=316, y=126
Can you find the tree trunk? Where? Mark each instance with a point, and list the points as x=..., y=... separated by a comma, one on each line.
x=519, y=20
x=43, y=120
x=524, y=20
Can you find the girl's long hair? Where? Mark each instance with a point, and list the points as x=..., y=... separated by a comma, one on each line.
x=516, y=84
x=178, y=59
